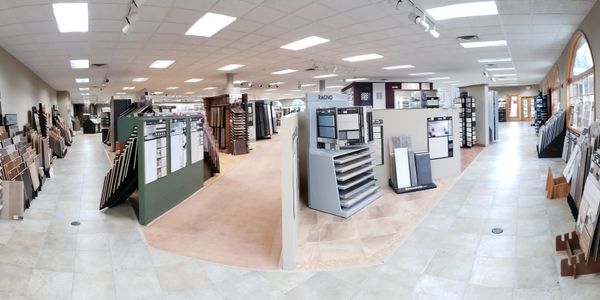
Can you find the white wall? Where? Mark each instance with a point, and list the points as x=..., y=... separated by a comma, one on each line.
x=480, y=93
x=20, y=88
x=64, y=106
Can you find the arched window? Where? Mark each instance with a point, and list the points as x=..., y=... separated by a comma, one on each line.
x=555, y=86
x=581, y=100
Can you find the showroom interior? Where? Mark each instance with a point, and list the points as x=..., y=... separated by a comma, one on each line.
x=308, y=149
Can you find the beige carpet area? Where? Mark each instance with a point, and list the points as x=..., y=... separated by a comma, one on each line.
x=236, y=220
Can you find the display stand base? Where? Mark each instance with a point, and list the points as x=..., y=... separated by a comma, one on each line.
x=411, y=189
x=555, y=148
x=574, y=264
x=573, y=207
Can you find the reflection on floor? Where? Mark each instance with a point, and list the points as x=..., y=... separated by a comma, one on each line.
x=236, y=220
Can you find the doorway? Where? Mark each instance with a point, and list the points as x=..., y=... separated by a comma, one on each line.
x=527, y=108
x=521, y=108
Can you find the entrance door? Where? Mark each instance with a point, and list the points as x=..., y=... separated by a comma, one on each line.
x=513, y=108
x=527, y=108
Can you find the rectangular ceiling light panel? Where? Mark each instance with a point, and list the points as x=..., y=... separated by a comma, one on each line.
x=82, y=80
x=325, y=76
x=140, y=79
x=399, y=67
x=356, y=79
x=80, y=64
x=463, y=10
x=210, y=24
x=438, y=78
x=129, y=88
x=422, y=74
x=493, y=60
x=501, y=69
x=194, y=80
x=363, y=57
x=283, y=72
x=484, y=44
x=230, y=67
x=305, y=43
x=161, y=64
x=172, y=88
x=71, y=17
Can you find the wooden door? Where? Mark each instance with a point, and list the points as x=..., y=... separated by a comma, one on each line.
x=513, y=108
x=527, y=108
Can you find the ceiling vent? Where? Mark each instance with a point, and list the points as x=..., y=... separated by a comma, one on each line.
x=99, y=65
x=467, y=38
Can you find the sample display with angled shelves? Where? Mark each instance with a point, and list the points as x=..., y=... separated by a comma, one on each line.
x=552, y=136
x=542, y=107
x=502, y=110
x=467, y=121
x=238, y=130
x=228, y=121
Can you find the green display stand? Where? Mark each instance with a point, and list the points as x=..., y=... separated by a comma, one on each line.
x=164, y=193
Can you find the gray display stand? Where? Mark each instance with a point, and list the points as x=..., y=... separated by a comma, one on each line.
x=339, y=182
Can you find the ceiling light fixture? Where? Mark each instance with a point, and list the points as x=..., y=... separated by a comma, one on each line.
x=438, y=78
x=335, y=87
x=71, y=17
x=120, y=93
x=140, y=79
x=190, y=93
x=161, y=64
x=307, y=85
x=210, y=88
x=421, y=74
x=84, y=89
x=493, y=60
x=82, y=80
x=325, y=76
x=462, y=10
x=85, y=94
x=210, y=24
x=484, y=44
x=363, y=57
x=129, y=88
x=434, y=33
x=277, y=83
x=501, y=69
x=230, y=67
x=286, y=71
x=507, y=79
x=80, y=64
x=172, y=88
x=506, y=75
x=194, y=80
x=356, y=79
x=305, y=43
x=399, y=67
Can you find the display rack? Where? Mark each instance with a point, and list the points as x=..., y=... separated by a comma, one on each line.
x=263, y=119
x=502, y=110
x=552, y=136
x=121, y=179
x=411, y=171
x=239, y=128
x=467, y=121
x=541, y=111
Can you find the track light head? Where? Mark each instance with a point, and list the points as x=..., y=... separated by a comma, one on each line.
x=414, y=18
x=127, y=28
x=133, y=17
x=434, y=32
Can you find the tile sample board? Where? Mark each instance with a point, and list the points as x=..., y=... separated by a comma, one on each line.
x=197, y=139
x=178, y=144
x=440, y=137
x=155, y=150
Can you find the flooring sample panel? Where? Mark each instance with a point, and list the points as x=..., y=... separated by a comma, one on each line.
x=423, y=163
x=178, y=144
x=402, y=168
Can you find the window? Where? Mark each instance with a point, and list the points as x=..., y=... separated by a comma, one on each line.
x=581, y=100
x=555, y=86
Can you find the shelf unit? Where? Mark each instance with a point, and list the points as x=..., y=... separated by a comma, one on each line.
x=238, y=130
x=502, y=110
x=468, y=123
x=541, y=112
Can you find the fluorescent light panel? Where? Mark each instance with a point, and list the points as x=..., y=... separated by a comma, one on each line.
x=501, y=69
x=277, y=83
x=484, y=44
x=399, y=67
x=82, y=80
x=161, y=64
x=325, y=76
x=305, y=43
x=493, y=60
x=210, y=88
x=84, y=89
x=505, y=75
x=120, y=93
x=172, y=88
x=190, y=93
x=230, y=67
x=80, y=64
x=438, y=78
x=85, y=94
x=507, y=79
x=210, y=24
x=129, y=88
x=356, y=79
x=71, y=17
x=308, y=85
x=463, y=10
x=140, y=79
x=194, y=80
x=335, y=87
x=286, y=71
x=421, y=74
x=363, y=57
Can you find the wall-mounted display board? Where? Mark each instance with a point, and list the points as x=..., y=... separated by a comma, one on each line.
x=377, y=144
x=155, y=150
x=159, y=190
x=440, y=137
x=179, y=145
x=196, y=139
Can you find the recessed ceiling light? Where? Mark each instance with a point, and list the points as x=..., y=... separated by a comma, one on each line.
x=286, y=71
x=325, y=76
x=172, y=88
x=500, y=69
x=270, y=90
x=121, y=93
x=140, y=79
x=239, y=81
x=298, y=90
x=161, y=64
x=210, y=88
x=493, y=60
x=157, y=93
x=71, y=17
x=399, y=67
x=438, y=78
x=505, y=75
x=194, y=80
x=85, y=94
x=84, y=89
x=244, y=89
x=230, y=67
x=82, y=80
x=363, y=57
x=210, y=24
x=80, y=64
x=462, y=10
x=277, y=83
x=129, y=88
x=356, y=79
x=483, y=44
x=507, y=79
x=335, y=87
x=305, y=43
x=308, y=85
x=421, y=74
x=190, y=93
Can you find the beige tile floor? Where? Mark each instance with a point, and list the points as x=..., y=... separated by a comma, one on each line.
x=446, y=257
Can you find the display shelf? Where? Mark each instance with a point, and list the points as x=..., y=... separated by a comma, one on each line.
x=467, y=121
x=353, y=182
x=342, y=168
x=541, y=111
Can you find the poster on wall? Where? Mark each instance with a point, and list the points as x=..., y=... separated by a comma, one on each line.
x=178, y=144
x=440, y=137
x=155, y=150
x=197, y=139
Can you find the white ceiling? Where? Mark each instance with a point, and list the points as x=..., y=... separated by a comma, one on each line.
x=536, y=30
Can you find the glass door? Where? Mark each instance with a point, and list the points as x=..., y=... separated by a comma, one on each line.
x=527, y=108
x=513, y=108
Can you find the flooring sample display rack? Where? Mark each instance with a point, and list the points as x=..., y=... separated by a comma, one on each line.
x=552, y=136
x=542, y=107
x=121, y=180
x=467, y=121
x=160, y=188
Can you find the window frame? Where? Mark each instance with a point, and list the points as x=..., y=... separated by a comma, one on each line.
x=554, y=89
x=571, y=78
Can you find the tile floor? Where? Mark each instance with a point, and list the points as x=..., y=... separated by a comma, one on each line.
x=451, y=255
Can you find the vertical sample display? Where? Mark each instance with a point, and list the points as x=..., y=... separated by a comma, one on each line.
x=440, y=137
x=178, y=144
x=377, y=145
x=155, y=150
x=197, y=139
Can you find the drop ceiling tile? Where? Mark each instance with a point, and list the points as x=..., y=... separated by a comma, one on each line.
x=106, y=25
x=234, y=8
x=516, y=19
x=104, y=11
x=264, y=15
x=183, y=16
x=145, y=27
x=34, y=13
x=244, y=25
x=152, y=13
x=40, y=27
x=203, y=5
x=173, y=28
x=12, y=30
